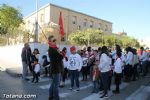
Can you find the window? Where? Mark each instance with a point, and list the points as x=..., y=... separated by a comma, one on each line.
x=28, y=24
x=42, y=18
x=85, y=23
x=106, y=28
x=79, y=27
x=62, y=39
x=74, y=20
x=91, y=24
x=35, y=19
x=99, y=26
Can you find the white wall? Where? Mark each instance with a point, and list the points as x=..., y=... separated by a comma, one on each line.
x=10, y=56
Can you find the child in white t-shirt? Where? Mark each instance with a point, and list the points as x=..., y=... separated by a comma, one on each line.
x=36, y=71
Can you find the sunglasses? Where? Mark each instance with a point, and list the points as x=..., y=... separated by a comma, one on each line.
x=54, y=40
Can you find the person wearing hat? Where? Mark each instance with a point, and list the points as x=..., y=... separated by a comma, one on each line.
x=74, y=66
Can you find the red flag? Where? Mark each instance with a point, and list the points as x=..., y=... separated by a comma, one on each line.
x=61, y=26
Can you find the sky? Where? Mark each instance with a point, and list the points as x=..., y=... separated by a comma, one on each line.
x=131, y=16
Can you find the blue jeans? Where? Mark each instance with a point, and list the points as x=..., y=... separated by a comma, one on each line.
x=54, y=88
x=95, y=86
x=74, y=75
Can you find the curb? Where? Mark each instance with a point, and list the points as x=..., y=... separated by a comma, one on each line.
x=2, y=68
x=13, y=73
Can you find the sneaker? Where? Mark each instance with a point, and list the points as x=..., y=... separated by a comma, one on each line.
x=26, y=79
x=50, y=98
x=93, y=92
x=115, y=92
x=61, y=86
x=78, y=89
x=101, y=92
x=104, y=96
x=71, y=88
x=36, y=82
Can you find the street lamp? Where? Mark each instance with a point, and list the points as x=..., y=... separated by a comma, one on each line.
x=67, y=25
x=88, y=39
x=36, y=24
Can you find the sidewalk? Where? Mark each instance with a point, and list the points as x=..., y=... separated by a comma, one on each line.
x=134, y=91
x=11, y=68
x=2, y=68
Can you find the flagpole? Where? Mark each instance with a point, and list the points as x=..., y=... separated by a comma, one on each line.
x=67, y=29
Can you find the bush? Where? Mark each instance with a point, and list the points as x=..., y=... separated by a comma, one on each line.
x=3, y=41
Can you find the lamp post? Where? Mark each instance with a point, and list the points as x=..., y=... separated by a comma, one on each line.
x=67, y=24
x=88, y=39
x=36, y=24
x=102, y=38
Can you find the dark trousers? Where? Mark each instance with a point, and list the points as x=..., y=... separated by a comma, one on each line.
x=105, y=81
x=47, y=71
x=110, y=78
x=134, y=71
x=117, y=81
x=74, y=76
x=101, y=87
x=84, y=73
x=145, y=67
x=64, y=75
x=36, y=76
x=95, y=86
x=148, y=66
x=54, y=87
x=128, y=73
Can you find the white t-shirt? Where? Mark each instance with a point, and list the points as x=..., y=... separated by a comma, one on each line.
x=37, y=68
x=144, y=56
x=118, y=65
x=75, y=62
x=85, y=61
x=104, y=65
x=129, y=58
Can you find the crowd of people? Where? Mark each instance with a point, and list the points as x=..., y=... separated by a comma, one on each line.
x=99, y=66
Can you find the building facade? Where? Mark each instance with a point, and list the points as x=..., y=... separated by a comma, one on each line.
x=72, y=20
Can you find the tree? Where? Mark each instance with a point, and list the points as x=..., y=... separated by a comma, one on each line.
x=10, y=18
x=2, y=30
x=82, y=37
x=128, y=41
x=109, y=40
x=98, y=38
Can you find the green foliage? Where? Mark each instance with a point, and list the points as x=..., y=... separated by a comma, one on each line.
x=3, y=40
x=10, y=17
x=81, y=37
x=3, y=30
x=10, y=20
x=128, y=41
x=96, y=37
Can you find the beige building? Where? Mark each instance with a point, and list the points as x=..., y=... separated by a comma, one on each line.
x=48, y=16
x=121, y=33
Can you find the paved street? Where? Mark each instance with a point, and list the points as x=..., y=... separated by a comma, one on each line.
x=138, y=90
